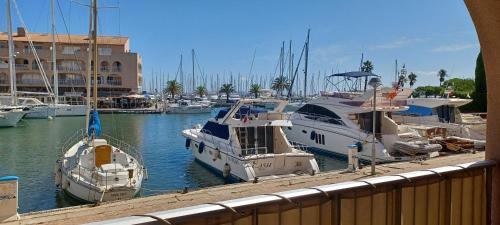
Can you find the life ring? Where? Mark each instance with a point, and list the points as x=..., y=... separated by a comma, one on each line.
x=201, y=147
x=188, y=142
x=313, y=135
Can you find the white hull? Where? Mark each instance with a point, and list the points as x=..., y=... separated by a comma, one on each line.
x=336, y=139
x=69, y=110
x=10, y=118
x=40, y=112
x=250, y=167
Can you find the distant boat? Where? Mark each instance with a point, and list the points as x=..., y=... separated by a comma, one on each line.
x=34, y=108
x=10, y=115
x=188, y=107
x=245, y=143
x=96, y=167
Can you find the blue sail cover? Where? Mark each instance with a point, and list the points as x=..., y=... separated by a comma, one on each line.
x=94, y=124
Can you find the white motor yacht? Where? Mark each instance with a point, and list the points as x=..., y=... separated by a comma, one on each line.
x=331, y=123
x=443, y=112
x=11, y=115
x=188, y=107
x=246, y=144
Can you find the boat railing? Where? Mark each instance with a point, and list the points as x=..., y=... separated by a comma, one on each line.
x=124, y=146
x=77, y=136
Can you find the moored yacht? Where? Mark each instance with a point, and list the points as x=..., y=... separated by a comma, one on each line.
x=444, y=113
x=188, y=107
x=34, y=108
x=331, y=123
x=11, y=115
x=246, y=144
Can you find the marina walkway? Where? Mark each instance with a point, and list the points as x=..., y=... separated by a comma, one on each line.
x=90, y=213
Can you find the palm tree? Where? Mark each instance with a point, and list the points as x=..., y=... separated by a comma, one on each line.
x=402, y=80
x=367, y=66
x=255, y=89
x=413, y=79
x=173, y=88
x=201, y=91
x=442, y=74
x=279, y=84
x=227, y=89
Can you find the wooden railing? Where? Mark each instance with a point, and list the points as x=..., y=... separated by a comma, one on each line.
x=447, y=195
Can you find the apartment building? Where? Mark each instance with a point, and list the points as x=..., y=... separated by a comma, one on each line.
x=120, y=71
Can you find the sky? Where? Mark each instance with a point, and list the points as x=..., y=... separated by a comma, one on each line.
x=425, y=35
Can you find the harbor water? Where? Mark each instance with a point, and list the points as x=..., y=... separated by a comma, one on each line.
x=30, y=151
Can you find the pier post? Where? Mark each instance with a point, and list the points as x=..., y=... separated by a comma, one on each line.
x=486, y=17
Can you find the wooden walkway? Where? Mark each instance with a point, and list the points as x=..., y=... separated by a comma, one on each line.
x=90, y=213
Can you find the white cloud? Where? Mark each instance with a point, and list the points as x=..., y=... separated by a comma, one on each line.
x=453, y=47
x=329, y=55
x=398, y=43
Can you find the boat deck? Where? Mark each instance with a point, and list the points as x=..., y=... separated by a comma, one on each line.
x=91, y=213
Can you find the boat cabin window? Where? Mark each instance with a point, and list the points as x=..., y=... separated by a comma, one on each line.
x=216, y=129
x=446, y=113
x=320, y=113
x=256, y=140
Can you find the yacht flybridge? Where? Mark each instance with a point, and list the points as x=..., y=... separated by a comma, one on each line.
x=97, y=167
x=246, y=143
x=336, y=120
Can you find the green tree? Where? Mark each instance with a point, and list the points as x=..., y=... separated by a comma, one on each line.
x=367, y=67
x=413, y=79
x=279, y=84
x=173, y=88
x=442, y=74
x=201, y=91
x=226, y=89
x=402, y=80
x=428, y=91
x=480, y=99
x=462, y=88
x=255, y=89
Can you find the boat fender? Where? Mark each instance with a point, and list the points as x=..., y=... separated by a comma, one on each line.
x=226, y=171
x=201, y=147
x=313, y=135
x=359, y=146
x=58, y=175
x=188, y=142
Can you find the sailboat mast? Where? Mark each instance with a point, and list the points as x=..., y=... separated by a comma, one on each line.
x=12, y=68
x=192, y=56
x=94, y=38
x=88, y=79
x=54, y=62
x=305, y=66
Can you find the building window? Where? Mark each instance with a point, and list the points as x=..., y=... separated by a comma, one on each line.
x=140, y=68
x=104, y=51
x=71, y=50
x=117, y=66
x=3, y=78
x=27, y=48
x=104, y=66
x=114, y=80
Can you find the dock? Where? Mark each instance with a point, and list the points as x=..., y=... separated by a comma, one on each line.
x=144, y=205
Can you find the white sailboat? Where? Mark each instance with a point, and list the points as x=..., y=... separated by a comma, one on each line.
x=188, y=107
x=246, y=144
x=11, y=115
x=97, y=167
x=61, y=109
x=34, y=108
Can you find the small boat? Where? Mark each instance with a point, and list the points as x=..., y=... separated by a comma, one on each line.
x=35, y=109
x=69, y=110
x=11, y=115
x=247, y=143
x=96, y=167
x=187, y=107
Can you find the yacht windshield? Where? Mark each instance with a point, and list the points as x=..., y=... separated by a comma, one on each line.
x=320, y=113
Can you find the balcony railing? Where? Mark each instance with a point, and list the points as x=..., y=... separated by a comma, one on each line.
x=70, y=68
x=104, y=69
x=29, y=81
x=447, y=195
x=71, y=82
x=114, y=82
x=22, y=66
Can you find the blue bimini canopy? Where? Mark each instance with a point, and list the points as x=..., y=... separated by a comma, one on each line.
x=415, y=110
x=243, y=111
x=8, y=178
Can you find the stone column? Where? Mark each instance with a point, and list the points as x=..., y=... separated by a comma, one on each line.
x=486, y=17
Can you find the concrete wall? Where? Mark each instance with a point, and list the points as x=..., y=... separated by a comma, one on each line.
x=486, y=17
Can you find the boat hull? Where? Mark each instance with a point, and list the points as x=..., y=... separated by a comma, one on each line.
x=69, y=110
x=10, y=118
x=40, y=112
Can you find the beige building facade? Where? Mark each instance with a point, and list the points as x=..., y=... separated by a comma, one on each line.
x=120, y=70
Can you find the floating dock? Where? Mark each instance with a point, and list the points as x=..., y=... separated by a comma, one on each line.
x=106, y=211
x=130, y=111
